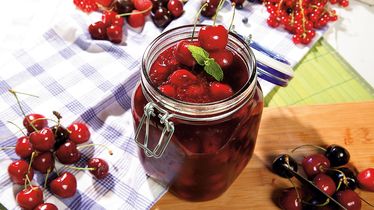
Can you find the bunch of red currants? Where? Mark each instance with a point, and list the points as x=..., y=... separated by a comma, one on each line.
x=39, y=148
x=301, y=17
x=329, y=182
x=135, y=12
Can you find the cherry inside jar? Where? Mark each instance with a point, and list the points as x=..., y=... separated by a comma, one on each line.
x=195, y=144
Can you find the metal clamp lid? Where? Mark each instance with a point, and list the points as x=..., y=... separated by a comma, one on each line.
x=167, y=132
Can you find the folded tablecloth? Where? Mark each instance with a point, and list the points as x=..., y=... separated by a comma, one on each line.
x=92, y=81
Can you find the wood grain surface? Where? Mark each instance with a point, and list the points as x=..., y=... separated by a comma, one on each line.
x=350, y=125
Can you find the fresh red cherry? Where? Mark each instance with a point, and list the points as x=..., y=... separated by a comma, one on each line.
x=325, y=183
x=183, y=54
x=101, y=167
x=114, y=33
x=213, y=37
x=349, y=199
x=366, y=179
x=168, y=90
x=43, y=140
x=79, y=132
x=30, y=197
x=136, y=19
x=43, y=162
x=143, y=5
x=64, y=186
x=37, y=120
x=108, y=17
x=289, y=200
x=223, y=57
x=175, y=7
x=314, y=164
x=97, y=30
x=68, y=153
x=220, y=91
x=24, y=147
x=18, y=170
x=46, y=206
x=182, y=78
x=211, y=8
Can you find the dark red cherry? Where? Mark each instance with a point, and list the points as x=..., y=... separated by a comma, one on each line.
x=43, y=162
x=315, y=164
x=114, y=33
x=168, y=90
x=345, y=176
x=24, y=147
x=349, y=199
x=79, y=132
x=18, y=170
x=175, y=7
x=220, y=91
x=279, y=163
x=64, y=186
x=289, y=200
x=97, y=30
x=325, y=183
x=46, y=206
x=37, y=120
x=43, y=140
x=366, y=179
x=183, y=55
x=213, y=37
x=337, y=155
x=182, y=77
x=101, y=167
x=61, y=135
x=30, y=197
x=211, y=8
x=123, y=6
x=68, y=153
x=223, y=57
x=161, y=17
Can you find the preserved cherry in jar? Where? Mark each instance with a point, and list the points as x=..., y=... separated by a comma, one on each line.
x=196, y=134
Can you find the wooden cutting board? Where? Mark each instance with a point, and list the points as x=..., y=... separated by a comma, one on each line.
x=350, y=125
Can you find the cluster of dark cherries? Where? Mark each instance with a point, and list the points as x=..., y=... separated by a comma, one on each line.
x=328, y=178
x=115, y=12
x=38, y=150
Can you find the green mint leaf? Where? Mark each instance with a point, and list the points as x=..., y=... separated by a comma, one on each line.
x=199, y=54
x=213, y=69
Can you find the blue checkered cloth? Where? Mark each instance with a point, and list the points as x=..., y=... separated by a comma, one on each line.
x=92, y=81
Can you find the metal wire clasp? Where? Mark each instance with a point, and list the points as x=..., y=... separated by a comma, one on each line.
x=166, y=134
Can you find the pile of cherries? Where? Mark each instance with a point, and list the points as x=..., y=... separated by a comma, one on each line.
x=39, y=149
x=301, y=17
x=135, y=12
x=329, y=173
x=177, y=73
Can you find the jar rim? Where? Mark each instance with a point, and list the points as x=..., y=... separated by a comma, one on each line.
x=200, y=111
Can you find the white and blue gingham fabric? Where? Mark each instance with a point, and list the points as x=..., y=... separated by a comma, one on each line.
x=92, y=81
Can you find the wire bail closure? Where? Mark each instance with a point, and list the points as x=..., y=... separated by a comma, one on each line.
x=167, y=132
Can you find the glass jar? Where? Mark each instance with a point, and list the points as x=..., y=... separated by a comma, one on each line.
x=197, y=150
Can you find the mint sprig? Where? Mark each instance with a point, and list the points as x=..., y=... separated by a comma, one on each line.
x=210, y=65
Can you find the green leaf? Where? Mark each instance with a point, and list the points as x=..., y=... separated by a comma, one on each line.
x=199, y=54
x=213, y=69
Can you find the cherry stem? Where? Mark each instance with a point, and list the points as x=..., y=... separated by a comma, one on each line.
x=28, y=180
x=79, y=168
x=31, y=159
x=22, y=93
x=308, y=145
x=367, y=202
x=233, y=16
x=297, y=191
x=135, y=13
x=46, y=177
x=196, y=18
x=344, y=180
x=19, y=128
x=219, y=7
x=102, y=145
x=18, y=102
x=5, y=148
